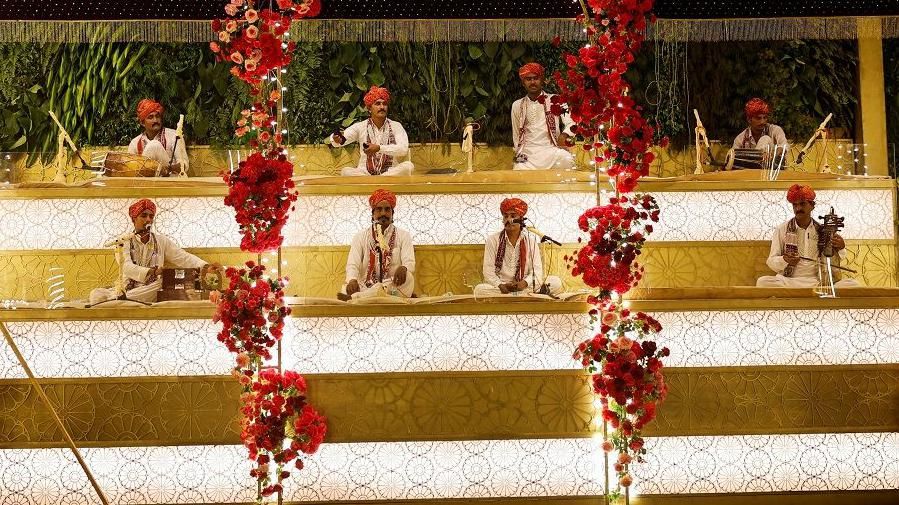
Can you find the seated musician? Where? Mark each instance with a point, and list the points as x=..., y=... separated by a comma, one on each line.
x=382, y=142
x=540, y=138
x=795, y=252
x=512, y=260
x=382, y=258
x=144, y=254
x=759, y=134
x=157, y=142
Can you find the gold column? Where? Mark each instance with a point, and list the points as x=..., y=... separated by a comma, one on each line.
x=872, y=103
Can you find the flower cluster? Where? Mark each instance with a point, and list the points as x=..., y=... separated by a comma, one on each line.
x=627, y=374
x=259, y=127
x=251, y=39
x=616, y=234
x=252, y=313
x=262, y=193
x=594, y=89
x=274, y=410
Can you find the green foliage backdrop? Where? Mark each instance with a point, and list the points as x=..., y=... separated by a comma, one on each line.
x=434, y=87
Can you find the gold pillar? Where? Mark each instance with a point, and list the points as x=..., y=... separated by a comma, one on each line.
x=872, y=103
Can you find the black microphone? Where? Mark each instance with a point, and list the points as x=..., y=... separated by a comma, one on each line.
x=543, y=237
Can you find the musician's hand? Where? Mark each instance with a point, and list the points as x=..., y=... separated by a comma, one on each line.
x=399, y=278
x=791, y=258
x=504, y=288
x=352, y=287
x=339, y=139
x=838, y=243
x=520, y=285
x=153, y=274
x=372, y=148
x=563, y=140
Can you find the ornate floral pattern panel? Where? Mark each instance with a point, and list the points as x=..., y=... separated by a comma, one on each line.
x=117, y=348
x=364, y=471
x=769, y=463
x=431, y=219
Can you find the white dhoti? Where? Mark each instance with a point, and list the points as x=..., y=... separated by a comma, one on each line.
x=553, y=282
x=404, y=168
x=545, y=158
x=155, y=151
x=779, y=281
x=386, y=288
x=146, y=293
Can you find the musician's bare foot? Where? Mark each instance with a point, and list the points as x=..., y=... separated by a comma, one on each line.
x=344, y=297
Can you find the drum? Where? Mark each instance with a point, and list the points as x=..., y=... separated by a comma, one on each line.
x=119, y=164
x=189, y=283
x=744, y=158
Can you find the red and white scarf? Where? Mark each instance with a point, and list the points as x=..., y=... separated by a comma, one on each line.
x=552, y=125
x=386, y=256
x=748, y=141
x=501, y=256
x=378, y=163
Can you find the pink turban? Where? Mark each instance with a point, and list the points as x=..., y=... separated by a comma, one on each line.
x=516, y=205
x=141, y=205
x=531, y=68
x=755, y=107
x=382, y=195
x=800, y=193
x=374, y=94
x=147, y=107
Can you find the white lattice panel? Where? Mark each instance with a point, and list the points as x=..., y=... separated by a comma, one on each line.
x=452, y=342
x=356, y=471
x=431, y=219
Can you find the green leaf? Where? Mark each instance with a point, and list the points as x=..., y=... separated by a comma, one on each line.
x=474, y=51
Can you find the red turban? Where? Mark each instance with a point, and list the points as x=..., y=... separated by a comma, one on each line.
x=141, y=205
x=382, y=195
x=516, y=205
x=147, y=107
x=531, y=68
x=800, y=193
x=374, y=94
x=755, y=107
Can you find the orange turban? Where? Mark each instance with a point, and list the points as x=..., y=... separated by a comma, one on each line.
x=374, y=94
x=147, y=107
x=382, y=195
x=531, y=68
x=755, y=107
x=141, y=205
x=516, y=205
x=800, y=193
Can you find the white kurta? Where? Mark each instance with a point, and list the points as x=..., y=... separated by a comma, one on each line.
x=402, y=254
x=138, y=259
x=154, y=150
x=362, y=131
x=805, y=273
x=745, y=140
x=534, y=147
x=533, y=266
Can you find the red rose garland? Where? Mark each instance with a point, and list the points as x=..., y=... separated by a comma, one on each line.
x=274, y=410
x=626, y=365
x=262, y=193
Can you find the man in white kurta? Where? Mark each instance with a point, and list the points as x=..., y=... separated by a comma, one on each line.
x=143, y=255
x=512, y=259
x=382, y=259
x=157, y=142
x=382, y=143
x=797, y=238
x=759, y=134
x=539, y=136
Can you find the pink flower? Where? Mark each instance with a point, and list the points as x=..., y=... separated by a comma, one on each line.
x=243, y=359
x=624, y=458
x=231, y=26
x=250, y=65
x=245, y=380
x=215, y=296
x=252, y=32
x=285, y=4
x=626, y=480
x=242, y=122
x=224, y=37
x=608, y=446
x=251, y=15
x=609, y=318
x=214, y=46
x=231, y=9
x=236, y=57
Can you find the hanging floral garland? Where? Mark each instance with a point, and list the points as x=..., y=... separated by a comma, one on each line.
x=626, y=364
x=277, y=423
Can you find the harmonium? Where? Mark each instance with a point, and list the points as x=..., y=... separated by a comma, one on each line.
x=190, y=284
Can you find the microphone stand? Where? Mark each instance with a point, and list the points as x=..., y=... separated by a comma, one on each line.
x=120, y=292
